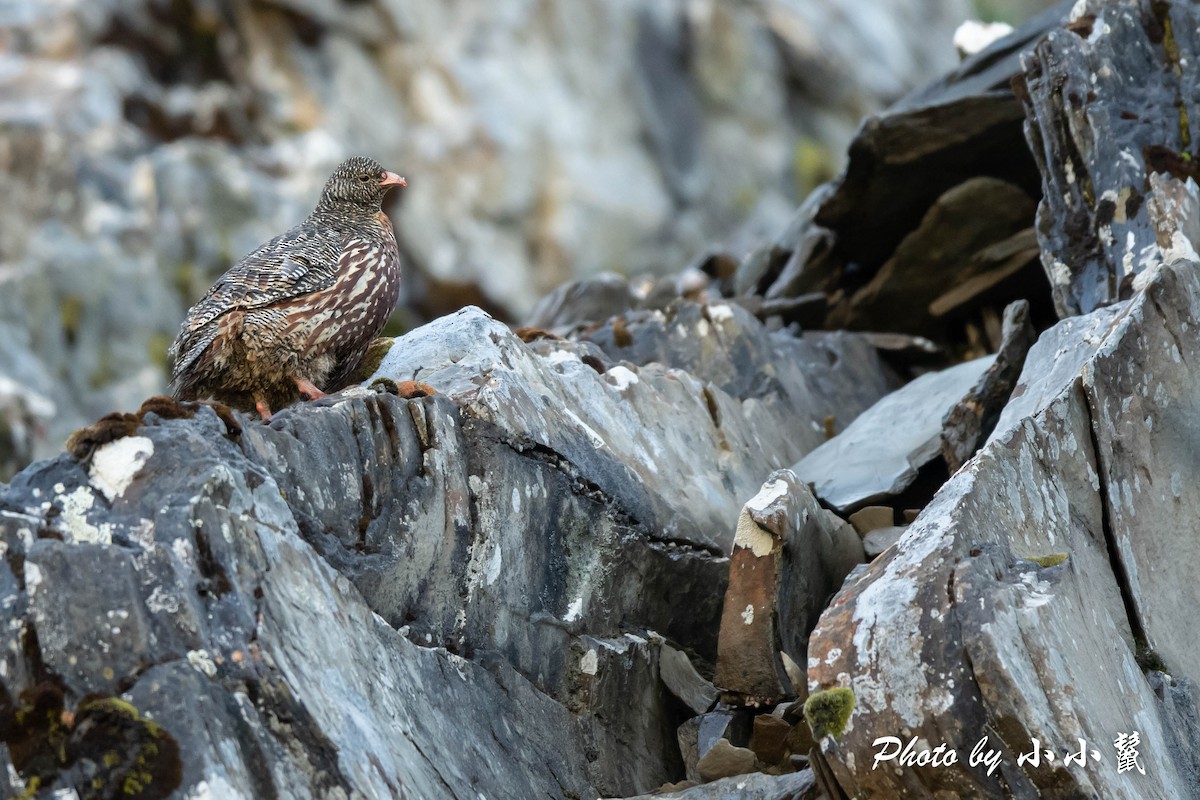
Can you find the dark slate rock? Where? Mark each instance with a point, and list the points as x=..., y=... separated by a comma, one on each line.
x=819, y=374
x=288, y=665
x=1109, y=102
x=962, y=128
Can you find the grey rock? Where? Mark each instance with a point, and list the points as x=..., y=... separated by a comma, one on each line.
x=723, y=722
x=831, y=375
x=681, y=677
x=879, y=454
x=578, y=302
x=756, y=786
x=880, y=539
x=1054, y=360
x=514, y=543
x=618, y=430
x=194, y=525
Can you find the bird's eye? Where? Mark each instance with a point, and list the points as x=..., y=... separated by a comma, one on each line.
x=363, y=178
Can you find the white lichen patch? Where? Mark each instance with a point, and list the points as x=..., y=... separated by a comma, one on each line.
x=748, y=614
x=590, y=662
x=162, y=601
x=767, y=495
x=562, y=357
x=74, y=515
x=721, y=313
x=202, y=661
x=752, y=537
x=621, y=378
x=116, y=464
x=33, y=578
x=495, y=562
x=574, y=611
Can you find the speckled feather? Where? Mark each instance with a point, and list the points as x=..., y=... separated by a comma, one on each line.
x=305, y=305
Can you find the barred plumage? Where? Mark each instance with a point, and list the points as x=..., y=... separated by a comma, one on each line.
x=298, y=313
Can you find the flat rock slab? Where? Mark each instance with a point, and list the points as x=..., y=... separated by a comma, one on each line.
x=879, y=454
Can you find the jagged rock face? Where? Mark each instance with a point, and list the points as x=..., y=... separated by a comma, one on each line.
x=969, y=627
x=151, y=144
x=1044, y=595
x=370, y=581
x=1101, y=223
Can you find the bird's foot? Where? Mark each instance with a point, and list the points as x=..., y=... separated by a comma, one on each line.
x=263, y=409
x=308, y=389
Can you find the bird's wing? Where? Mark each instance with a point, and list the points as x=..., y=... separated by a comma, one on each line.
x=301, y=261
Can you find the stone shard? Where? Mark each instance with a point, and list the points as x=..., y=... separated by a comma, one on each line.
x=685, y=682
x=956, y=136
x=953, y=244
x=769, y=738
x=975, y=416
x=788, y=557
x=880, y=539
x=880, y=453
x=723, y=760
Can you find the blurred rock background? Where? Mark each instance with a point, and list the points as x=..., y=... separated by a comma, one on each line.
x=145, y=144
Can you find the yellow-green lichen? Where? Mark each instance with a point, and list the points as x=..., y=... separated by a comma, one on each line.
x=812, y=165
x=828, y=711
x=1147, y=658
x=1047, y=561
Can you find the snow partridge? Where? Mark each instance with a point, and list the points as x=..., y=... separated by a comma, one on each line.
x=298, y=313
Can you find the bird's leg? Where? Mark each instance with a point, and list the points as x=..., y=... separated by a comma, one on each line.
x=306, y=388
x=263, y=409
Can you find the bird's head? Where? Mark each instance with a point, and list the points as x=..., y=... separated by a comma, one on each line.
x=359, y=183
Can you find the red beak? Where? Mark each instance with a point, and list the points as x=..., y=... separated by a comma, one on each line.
x=392, y=179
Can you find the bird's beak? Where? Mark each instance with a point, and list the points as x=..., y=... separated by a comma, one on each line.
x=392, y=179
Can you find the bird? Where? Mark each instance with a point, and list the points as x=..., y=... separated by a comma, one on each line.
x=297, y=314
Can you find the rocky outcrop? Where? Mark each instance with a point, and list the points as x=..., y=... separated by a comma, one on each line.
x=621, y=550
x=151, y=144
x=1032, y=611
x=527, y=532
